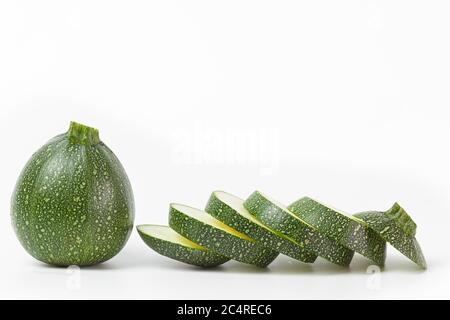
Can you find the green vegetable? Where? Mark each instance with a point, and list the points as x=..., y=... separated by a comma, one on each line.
x=73, y=203
x=230, y=210
x=279, y=218
x=205, y=230
x=396, y=227
x=349, y=232
x=168, y=243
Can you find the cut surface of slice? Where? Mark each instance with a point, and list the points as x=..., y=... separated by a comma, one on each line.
x=230, y=210
x=167, y=242
x=396, y=227
x=203, y=229
x=279, y=218
x=349, y=232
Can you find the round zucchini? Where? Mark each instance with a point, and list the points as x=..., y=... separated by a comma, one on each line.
x=203, y=229
x=279, y=218
x=73, y=203
x=230, y=210
x=349, y=232
x=167, y=242
x=398, y=228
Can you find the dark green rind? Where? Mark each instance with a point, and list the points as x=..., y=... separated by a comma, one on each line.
x=265, y=236
x=347, y=231
x=73, y=204
x=281, y=220
x=220, y=241
x=387, y=226
x=193, y=256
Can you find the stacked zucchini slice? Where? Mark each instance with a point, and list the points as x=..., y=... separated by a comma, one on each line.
x=256, y=230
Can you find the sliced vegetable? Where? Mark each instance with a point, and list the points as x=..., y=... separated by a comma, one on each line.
x=230, y=210
x=200, y=227
x=278, y=217
x=73, y=203
x=396, y=227
x=168, y=243
x=349, y=232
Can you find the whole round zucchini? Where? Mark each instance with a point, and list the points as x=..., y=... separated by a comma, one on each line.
x=73, y=203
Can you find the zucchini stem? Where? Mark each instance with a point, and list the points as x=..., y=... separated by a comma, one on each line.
x=398, y=214
x=84, y=135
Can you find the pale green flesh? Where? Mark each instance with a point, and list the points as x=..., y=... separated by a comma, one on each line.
x=167, y=234
x=202, y=216
x=166, y=242
x=237, y=205
x=199, y=227
x=286, y=210
x=230, y=209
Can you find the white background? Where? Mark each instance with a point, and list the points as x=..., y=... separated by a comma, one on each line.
x=345, y=101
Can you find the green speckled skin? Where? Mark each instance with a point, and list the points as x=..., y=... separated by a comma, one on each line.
x=73, y=204
x=389, y=229
x=193, y=256
x=268, y=238
x=219, y=241
x=290, y=225
x=350, y=233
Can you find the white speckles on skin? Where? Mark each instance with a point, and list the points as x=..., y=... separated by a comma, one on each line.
x=52, y=203
x=232, y=246
x=342, y=229
x=384, y=230
x=395, y=235
x=282, y=221
x=183, y=253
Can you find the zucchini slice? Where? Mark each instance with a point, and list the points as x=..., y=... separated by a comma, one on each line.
x=396, y=227
x=349, y=232
x=230, y=210
x=279, y=218
x=167, y=242
x=200, y=227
